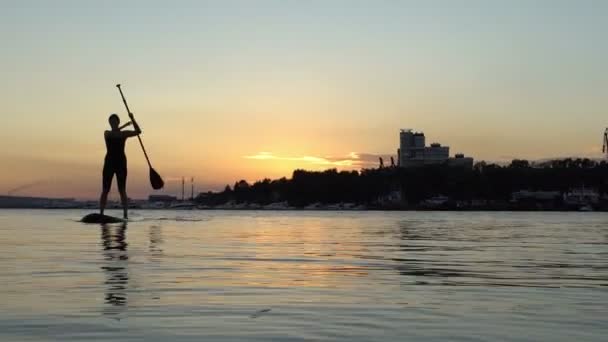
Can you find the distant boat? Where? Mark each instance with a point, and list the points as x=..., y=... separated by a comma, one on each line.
x=157, y=205
x=586, y=208
x=435, y=202
x=332, y=207
x=277, y=206
x=182, y=206
x=313, y=206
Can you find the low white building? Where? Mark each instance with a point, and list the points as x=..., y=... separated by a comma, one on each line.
x=581, y=196
x=523, y=195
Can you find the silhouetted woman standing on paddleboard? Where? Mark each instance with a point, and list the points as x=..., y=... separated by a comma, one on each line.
x=115, y=162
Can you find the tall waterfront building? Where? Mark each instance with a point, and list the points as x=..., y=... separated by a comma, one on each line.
x=414, y=152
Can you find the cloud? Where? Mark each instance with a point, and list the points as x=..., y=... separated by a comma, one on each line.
x=352, y=160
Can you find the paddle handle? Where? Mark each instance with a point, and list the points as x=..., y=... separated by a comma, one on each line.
x=124, y=100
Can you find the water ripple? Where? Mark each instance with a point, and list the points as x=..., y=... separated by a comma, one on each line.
x=322, y=276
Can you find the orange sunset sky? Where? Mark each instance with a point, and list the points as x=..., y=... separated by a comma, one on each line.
x=230, y=90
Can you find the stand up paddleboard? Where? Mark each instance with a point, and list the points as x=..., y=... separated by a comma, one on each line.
x=98, y=218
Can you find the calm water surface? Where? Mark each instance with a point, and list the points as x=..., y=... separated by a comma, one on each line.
x=292, y=276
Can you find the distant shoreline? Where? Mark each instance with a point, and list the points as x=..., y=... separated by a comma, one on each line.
x=327, y=210
x=557, y=185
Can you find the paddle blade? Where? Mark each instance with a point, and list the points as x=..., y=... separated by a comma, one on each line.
x=155, y=180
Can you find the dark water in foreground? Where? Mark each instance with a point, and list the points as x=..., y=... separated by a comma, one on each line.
x=329, y=276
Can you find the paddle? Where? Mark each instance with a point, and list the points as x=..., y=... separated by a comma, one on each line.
x=155, y=180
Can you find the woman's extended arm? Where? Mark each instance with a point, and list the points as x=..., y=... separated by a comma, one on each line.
x=125, y=125
x=128, y=134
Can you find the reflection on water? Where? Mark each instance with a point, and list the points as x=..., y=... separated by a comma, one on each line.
x=156, y=240
x=155, y=254
x=508, y=253
x=305, y=276
x=114, y=243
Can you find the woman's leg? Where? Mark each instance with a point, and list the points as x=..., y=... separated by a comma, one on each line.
x=121, y=179
x=105, y=188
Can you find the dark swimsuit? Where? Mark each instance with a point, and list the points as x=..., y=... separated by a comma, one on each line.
x=115, y=162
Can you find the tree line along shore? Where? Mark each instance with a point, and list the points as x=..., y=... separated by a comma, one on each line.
x=565, y=184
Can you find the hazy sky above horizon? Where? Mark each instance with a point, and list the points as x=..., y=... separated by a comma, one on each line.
x=226, y=90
